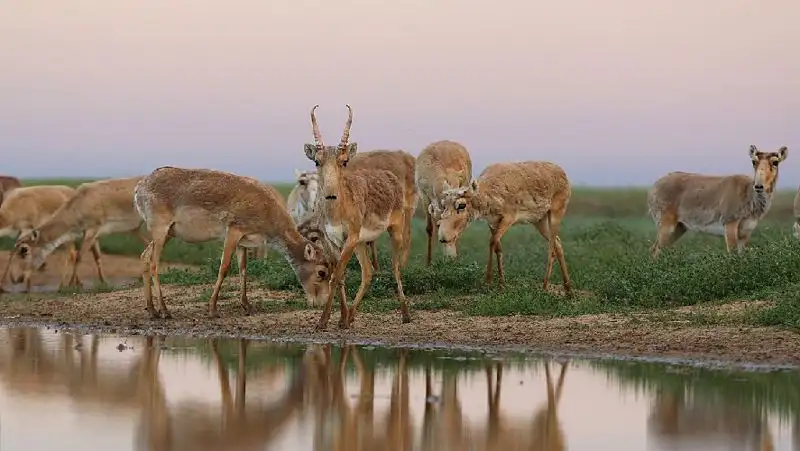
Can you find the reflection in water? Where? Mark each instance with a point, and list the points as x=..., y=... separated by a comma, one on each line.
x=183, y=394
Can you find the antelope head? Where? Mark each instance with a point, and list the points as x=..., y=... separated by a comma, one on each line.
x=30, y=256
x=765, y=168
x=330, y=160
x=456, y=212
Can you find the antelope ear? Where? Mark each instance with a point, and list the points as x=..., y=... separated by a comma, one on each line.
x=311, y=151
x=783, y=152
x=753, y=151
x=350, y=149
x=35, y=235
x=474, y=185
x=309, y=253
x=430, y=209
x=445, y=186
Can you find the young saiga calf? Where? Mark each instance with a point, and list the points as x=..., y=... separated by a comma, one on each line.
x=533, y=192
x=199, y=205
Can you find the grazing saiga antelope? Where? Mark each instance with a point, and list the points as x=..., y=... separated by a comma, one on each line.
x=440, y=165
x=356, y=207
x=729, y=206
x=27, y=207
x=96, y=209
x=199, y=205
x=7, y=184
x=533, y=192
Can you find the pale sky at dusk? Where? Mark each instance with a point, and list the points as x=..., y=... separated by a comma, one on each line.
x=616, y=91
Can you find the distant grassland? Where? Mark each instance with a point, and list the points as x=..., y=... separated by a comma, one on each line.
x=606, y=235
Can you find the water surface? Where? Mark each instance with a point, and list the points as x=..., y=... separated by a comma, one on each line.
x=68, y=391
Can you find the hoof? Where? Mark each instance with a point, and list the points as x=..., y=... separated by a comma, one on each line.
x=320, y=327
x=155, y=315
x=213, y=315
x=166, y=315
x=344, y=324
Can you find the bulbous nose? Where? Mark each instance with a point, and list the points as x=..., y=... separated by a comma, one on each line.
x=758, y=187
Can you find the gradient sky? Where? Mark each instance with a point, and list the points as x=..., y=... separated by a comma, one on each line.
x=616, y=91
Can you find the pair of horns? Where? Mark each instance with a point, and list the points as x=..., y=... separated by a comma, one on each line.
x=345, y=135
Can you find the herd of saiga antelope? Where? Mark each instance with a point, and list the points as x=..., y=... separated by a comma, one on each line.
x=346, y=205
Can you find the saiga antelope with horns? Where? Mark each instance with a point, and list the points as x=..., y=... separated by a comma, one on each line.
x=532, y=192
x=355, y=208
x=729, y=206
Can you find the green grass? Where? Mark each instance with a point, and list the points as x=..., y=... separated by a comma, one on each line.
x=606, y=236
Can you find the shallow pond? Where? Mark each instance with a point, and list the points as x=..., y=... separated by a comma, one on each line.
x=69, y=391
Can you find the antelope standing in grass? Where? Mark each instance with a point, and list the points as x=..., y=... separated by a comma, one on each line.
x=300, y=201
x=7, y=184
x=27, y=207
x=199, y=205
x=398, y=162
x=97, y=209
x=402, y=164
x=729, y=206
x=355, y=207
x=440, y=165
x=533, y=192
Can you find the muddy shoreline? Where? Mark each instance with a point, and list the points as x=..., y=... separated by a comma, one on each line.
x=618, y=336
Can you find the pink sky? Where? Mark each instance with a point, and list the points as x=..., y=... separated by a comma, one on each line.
x=616, y=91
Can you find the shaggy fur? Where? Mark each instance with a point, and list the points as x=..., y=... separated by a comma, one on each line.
x=97, y=209
x=533, y=192
x=356, y=206
x=730, y=206
x=198, y=205
x=796, y=225
x=302, y=197
x=401, y=164
x=28, y=207
x=440, y=166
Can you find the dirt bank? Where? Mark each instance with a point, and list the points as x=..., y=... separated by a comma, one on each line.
x=668, y=334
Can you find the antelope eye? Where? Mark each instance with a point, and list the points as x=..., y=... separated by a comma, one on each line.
x=461, y=205
x=755, y=163
x=23, y=251
x=302, y=182
x=344, y=163
x=775, y=163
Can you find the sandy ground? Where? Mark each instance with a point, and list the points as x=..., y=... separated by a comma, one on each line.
x=670, y=334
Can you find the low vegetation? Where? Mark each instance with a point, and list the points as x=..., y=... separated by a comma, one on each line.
x=606, y=236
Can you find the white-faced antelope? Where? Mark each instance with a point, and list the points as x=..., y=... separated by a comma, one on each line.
x=199, y=205
x=97, y=209
x=356, y=206
x=532, y=192
x=302, y=197
x=440, y=166
x=729, y=205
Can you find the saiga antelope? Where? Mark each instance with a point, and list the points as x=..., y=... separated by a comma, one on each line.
x=97, y=209
x=399, y=163
x=533, y=192
x=440, y=164
x=356, y=207
x=302, y=197
x=199, y=205
x=8, y=184
x=729, y=206
x=27, y=207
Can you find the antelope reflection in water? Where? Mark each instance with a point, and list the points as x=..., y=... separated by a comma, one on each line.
x=681, y=421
